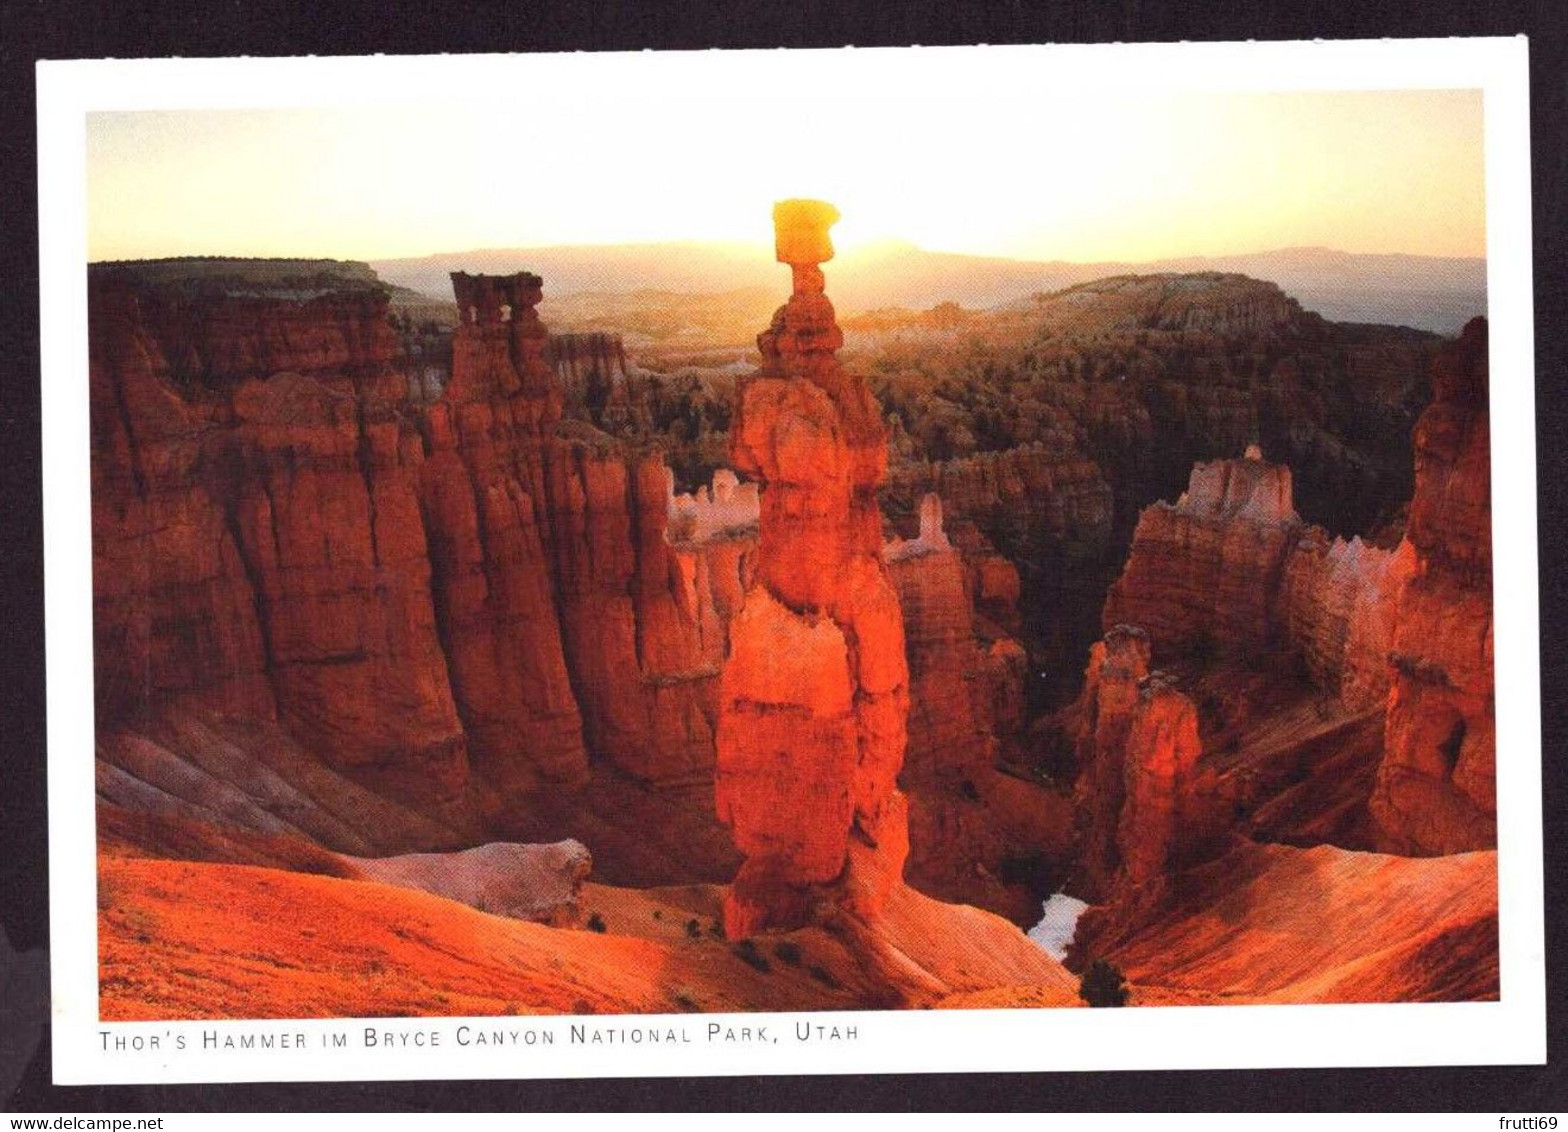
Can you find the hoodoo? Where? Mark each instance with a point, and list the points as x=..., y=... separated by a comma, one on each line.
x=814, y=696
x=1436, y=789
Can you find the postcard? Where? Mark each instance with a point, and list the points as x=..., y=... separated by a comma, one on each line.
x=761, y=562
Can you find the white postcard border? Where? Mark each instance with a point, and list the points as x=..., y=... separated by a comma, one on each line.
x=1511, y=1030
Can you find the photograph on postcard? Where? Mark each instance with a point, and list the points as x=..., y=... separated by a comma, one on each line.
x=855, y=547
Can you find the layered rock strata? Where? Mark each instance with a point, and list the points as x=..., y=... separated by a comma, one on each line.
x=484, y=501
x=1156, y=823
x=287, y=526
x=815, y=692
x=949, y=729
x=1336, y=608
x=1230, y=570
x=1137, y=747
x=1202, y=572
x=1406, y=632
x=257, y=542
x=1436, y=788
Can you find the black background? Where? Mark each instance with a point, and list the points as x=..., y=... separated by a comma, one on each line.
x=66, y=29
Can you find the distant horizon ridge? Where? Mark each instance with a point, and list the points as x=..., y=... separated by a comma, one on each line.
x=1426, y=292
x=761, y=248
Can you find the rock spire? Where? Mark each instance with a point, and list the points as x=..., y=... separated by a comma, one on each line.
x=814, y=696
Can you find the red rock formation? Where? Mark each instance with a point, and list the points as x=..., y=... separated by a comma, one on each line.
x=481, y=494
x=174, y=610
x=1103, y=719
x=575, y=625
x=1156, y=823
x=1276, y=923
x=1229, y=569
x=1202, y=573
x=947, y=732
x=1139, y=795
x=1436, y=787
x=281, y=511
x=405, y=582
x=1336, y=606
x=1230, y=566
x=815, y=691
x=328, y=521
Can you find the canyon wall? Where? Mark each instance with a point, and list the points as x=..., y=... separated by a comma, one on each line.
x=299, y=541
x=1202, y=573
x=592, y=370
x=589, y=360
x=286, y=525
x=256, y=536
x=1230, y=572
x=1436, y=787
x=1229, y=579
x=1336, y=606
x=1043, y=514
x=1137, y=796
x=1043, y=497
x=949, y=729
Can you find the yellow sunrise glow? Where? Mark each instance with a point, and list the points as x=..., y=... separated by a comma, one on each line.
x=1133, y=177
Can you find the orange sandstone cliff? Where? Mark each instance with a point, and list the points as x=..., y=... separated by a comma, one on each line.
x=815, y=691
x=1229, y=573
x=1436, y=787
x=1346, y=697
x=1202, y=572
x=287, y=526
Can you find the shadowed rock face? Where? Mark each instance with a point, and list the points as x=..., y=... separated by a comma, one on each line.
x=1204, y=571
x=286, y=526
x=816, y=688
x=257, y=541
x=1230, y=571
x=1162, y=753
x=950, y=729
x=1436, y=788
x=1138, y=748
x=1229, y=574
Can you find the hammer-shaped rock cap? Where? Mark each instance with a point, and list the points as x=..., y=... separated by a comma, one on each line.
x=801, y=231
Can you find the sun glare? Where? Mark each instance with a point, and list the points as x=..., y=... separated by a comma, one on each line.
x=1131, y=177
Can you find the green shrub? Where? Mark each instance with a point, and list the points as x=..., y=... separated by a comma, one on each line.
x=747, y=951
x=1103, y=984
x=824, y=976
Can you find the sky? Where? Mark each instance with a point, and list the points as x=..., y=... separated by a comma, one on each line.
x=1131, y=177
